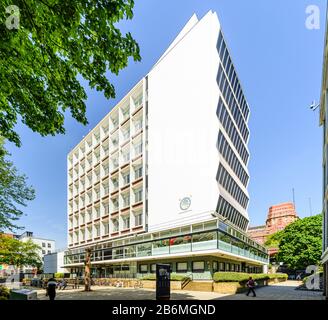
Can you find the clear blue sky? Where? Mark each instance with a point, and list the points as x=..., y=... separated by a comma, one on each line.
x=279, y=63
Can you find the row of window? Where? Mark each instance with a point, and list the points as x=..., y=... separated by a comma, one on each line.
x=210, y=240
x=228, y=183
x=228, y=154
x=231, y=130
x=232, y=103
x=232, y=214
x=114, y=224
x=44, y=245
x=232, y=75
x=197, y=266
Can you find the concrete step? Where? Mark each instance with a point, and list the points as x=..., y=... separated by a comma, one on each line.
x=205, y=286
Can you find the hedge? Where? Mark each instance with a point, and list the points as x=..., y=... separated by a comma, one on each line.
x=4, y=293
x=174, y=277
x=243, y=277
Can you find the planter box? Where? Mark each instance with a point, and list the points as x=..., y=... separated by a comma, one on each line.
x=235, y=287
x=151, y=284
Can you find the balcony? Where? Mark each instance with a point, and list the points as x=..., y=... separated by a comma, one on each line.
x=187, y=243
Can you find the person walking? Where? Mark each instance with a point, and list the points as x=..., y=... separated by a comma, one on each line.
x=51, y=288
x=251, y=285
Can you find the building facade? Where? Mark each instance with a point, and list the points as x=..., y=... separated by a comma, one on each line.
x=54, y=262
x=47, y=246
x=324, y=124
x=163, y=177
x=278, y=218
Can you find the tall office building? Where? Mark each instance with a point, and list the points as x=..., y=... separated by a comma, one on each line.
x=163, y=177
x=324, y=123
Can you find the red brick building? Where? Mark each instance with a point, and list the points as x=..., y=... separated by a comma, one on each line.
x=279, y=216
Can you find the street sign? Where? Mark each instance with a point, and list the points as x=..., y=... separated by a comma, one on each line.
x=163, y=288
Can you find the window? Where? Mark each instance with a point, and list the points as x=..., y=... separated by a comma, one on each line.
x=43, y=251
x=126, y=178
x=138, y=149
x=138, y=125
x=227, y=267
x=126, y=222
x=126, y=200
x=138, y=172
x=138, y=219
x=232, y=267
x=49, y=251
x=126, y=157
x=49, y=245
x=97, y=230
x=153, y=268
x=143, y=268
x=138, y=195
x=115, y=225
x=43, y=245
x=182, y=266
x=215, y=266
x=221, y=266
x=198, y=266
x=126, y=134
x=106, y=228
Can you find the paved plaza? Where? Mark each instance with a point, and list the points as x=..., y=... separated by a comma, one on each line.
x=281, y=291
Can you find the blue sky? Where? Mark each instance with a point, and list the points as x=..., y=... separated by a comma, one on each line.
x=279, y=63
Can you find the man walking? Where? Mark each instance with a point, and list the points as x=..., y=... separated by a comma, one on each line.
x=51, y=288
x=251, y=285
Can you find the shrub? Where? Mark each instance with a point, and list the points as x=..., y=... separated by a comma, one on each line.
x=174, y=277
x=59, y=275
x=243, y=277
x=4, y=293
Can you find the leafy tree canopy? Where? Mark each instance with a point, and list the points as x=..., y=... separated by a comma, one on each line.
x=57, y=40
x=14, y=192
x=301, y=243
x=17, y=253
x=273, y=240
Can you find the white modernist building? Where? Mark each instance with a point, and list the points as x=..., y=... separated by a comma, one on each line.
x=47, y=246
x=163, y=177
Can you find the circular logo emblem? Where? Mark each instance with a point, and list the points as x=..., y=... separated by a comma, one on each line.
x=185, y=203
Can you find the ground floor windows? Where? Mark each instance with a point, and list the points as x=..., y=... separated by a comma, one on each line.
x=143, y=268
x=182, y=266
x=215, y=266
x=198, y=266
x=153, y=268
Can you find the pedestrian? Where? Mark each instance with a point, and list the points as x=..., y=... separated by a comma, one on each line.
x=251, y=284
x=51, y=288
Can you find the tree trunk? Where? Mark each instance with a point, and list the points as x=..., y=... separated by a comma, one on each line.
x=87, y=270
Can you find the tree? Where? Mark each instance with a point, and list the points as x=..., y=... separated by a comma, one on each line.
x=87, y=270
x=55, y=42
x=273, y=240
x=19, y=254
x=301, y=243
x=14, y=192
